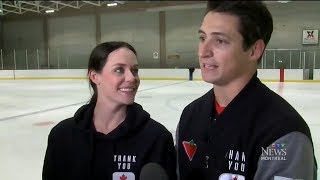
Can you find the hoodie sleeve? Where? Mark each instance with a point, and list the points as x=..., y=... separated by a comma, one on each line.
x=169, y=160
x=48, y=165
x=297, y=161
x=176, y=151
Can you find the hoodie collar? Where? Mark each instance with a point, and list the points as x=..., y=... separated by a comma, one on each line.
x=136, y=117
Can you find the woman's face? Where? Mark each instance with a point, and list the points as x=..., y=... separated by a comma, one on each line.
x=118, y=81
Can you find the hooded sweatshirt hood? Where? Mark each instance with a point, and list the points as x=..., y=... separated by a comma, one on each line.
x=135, y=119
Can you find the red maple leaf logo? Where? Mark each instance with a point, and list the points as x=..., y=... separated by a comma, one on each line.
x=123, y=177
x=190, y=148
x=235, y=178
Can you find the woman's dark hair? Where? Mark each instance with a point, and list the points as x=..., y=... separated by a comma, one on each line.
x=98, y=59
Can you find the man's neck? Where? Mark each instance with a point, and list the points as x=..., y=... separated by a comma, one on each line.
x=225, y=93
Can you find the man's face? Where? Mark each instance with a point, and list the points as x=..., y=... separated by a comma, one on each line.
x=221, y=55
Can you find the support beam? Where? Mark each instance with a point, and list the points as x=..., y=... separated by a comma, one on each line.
x=93, y=3
x=65, y=4
x=98, y=27
x=37, y=5
x=162, y=35
x=18, y=6
x=27, y=9
x=46, y=41
x=1, y=37
x=11, y=11
x=1, y=8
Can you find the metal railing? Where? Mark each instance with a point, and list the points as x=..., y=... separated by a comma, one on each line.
x=51, y=58
x=291, y=59
x=76, y=57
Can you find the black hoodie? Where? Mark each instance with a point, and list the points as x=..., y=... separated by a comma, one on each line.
x=77, y=151
x=231, y=145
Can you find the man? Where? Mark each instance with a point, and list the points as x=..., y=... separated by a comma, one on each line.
x=240, y=129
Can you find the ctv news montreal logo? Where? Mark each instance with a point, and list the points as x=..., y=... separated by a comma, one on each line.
x=275, y=152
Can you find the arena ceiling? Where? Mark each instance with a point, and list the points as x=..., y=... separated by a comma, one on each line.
x=40, y=8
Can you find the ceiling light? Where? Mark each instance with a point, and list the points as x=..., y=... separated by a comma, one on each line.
x=112, y=4
x=283, y=1
x=49, y=11
x=1, y=11
x=119, y=2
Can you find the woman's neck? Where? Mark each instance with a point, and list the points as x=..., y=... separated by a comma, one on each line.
x=107, y=117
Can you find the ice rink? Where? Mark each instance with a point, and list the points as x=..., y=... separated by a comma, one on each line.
x=30, y=108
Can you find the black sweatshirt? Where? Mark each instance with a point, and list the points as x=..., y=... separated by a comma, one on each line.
x=258, y=136
x=77, y=151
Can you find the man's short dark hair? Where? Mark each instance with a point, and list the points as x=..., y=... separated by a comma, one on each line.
x=255, y=20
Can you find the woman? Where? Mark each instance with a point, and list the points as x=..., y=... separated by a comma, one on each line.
x=112, y=137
